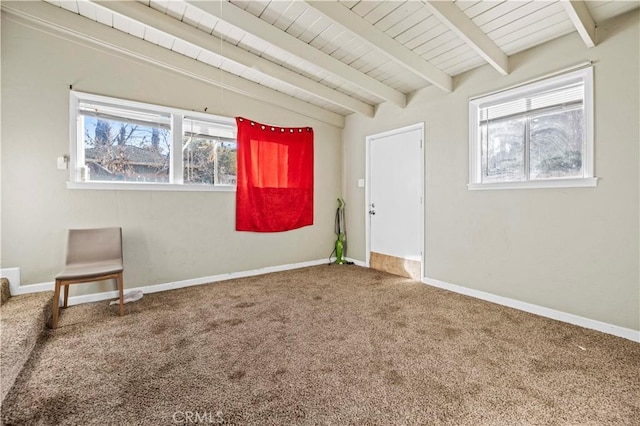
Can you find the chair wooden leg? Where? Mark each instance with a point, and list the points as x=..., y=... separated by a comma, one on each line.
x=121, y=290
x=56, y=302
x=66, y=295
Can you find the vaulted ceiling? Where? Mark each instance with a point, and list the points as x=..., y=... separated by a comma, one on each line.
x=324, y=59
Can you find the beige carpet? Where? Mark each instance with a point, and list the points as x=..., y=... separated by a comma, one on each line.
x=22, y=322
x=324, y=345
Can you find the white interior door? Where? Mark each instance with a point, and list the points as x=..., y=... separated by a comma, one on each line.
x=395, y=191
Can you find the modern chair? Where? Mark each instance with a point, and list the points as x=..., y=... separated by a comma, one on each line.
x=92, y=255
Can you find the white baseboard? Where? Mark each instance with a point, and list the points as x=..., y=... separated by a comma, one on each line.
x=154, y=288
x=627, y=333
x=350, y=260
x=13, y=275
x=34, y=288
x=357, y=262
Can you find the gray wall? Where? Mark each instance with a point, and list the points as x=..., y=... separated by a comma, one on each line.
x=168, y=236
x=575, y=250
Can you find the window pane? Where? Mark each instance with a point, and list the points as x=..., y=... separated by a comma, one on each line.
x=556, y=145
x=126, y=151
x=535, y=135
x=209, y=154
x=503, y=151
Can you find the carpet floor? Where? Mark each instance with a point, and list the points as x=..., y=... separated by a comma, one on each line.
x=338, y=345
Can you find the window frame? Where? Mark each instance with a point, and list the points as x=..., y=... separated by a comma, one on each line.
x=176, y=169
x=475, y=150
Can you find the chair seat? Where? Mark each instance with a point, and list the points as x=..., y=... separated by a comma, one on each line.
x=92, y=255
x=88, y=270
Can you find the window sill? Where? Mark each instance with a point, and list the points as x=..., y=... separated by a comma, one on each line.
x=537, y=184
x=138, y=186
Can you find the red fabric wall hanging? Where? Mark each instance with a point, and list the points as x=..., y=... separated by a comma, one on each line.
x=275, y=177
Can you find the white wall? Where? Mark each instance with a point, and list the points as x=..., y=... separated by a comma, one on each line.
x=168, y=236
x=573, y=250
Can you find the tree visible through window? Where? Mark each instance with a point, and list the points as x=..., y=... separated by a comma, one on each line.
x=125, y=142
x=534, y=133
x=120, y=151
x=207, y=157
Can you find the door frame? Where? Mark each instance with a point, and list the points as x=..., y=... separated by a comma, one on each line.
x=368, y=140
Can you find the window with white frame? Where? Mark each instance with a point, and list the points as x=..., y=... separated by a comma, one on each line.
x=121, y=144
x=534, y=136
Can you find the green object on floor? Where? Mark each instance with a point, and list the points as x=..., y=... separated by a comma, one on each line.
x=341, y=232
x=339, y=249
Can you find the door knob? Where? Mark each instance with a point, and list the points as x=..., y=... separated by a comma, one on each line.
x=372, y=212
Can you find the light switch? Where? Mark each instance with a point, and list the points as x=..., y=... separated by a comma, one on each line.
x=62, y=163
x=360, y=183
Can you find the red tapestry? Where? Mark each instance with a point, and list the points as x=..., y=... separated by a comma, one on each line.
x=275, y=177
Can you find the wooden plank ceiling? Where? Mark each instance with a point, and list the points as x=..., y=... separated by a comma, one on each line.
x=324, y=59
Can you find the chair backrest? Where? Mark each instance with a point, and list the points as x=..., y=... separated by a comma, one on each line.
x=94, y=245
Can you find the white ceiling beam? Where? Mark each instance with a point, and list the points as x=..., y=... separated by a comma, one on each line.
x=73, y=27
x=581, y=18
x=381, y=42
x=245, y=21
x=166, y=24
x=454, y=18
